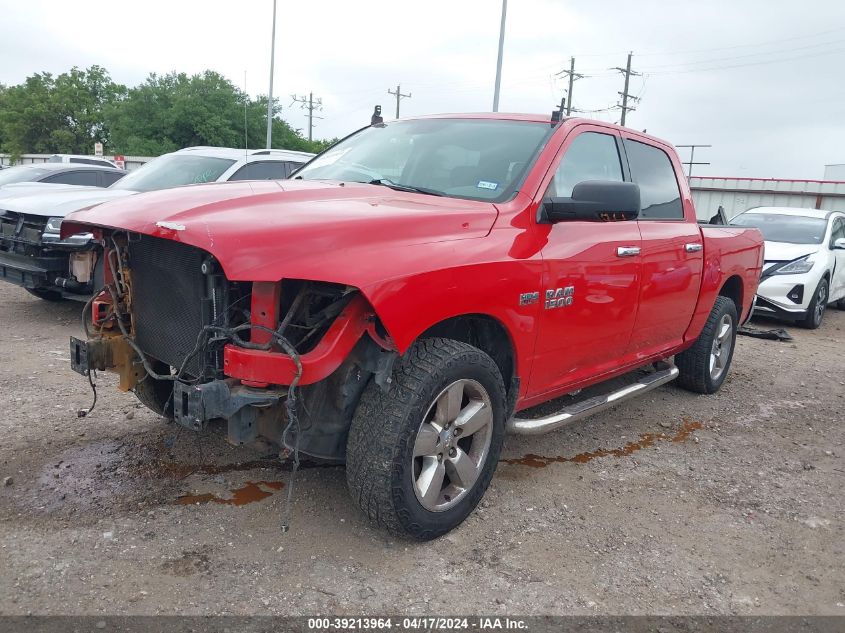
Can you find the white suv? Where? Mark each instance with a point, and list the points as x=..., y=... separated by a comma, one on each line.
x=99, y=161
x=804, y=269
x=44, y=264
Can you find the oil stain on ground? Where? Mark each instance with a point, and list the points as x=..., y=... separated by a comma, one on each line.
x=646, y=440
x=250, y=492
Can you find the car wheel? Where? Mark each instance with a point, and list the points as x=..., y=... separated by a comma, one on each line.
x=815, y=311
x=420, y=456
x=156, y=395
x=704, y=366
x=46, y=295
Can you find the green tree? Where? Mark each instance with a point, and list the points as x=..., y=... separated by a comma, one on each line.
x=62, y=114
x=70, y=112
x=176, y=110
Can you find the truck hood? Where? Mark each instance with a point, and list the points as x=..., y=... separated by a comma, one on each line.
x=325, y=231
x=784, y=252
x=49, y=202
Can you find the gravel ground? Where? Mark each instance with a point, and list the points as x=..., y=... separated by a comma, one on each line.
x=672, y=504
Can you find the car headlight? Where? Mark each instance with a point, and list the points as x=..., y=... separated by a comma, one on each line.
x=54, y=225
x=798, y=267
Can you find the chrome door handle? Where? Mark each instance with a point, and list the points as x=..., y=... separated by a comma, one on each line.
x=627, y=251
x=693, y=247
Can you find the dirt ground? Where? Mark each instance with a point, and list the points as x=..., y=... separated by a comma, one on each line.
x=672, y=504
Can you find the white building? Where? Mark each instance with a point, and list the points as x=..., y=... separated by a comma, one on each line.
x=740, y=194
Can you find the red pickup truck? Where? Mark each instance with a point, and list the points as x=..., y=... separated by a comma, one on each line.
x=399, y=301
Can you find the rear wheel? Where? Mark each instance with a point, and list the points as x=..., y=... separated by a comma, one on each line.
x=46, y=295
x=420, y=456
x=815, y=312
x=704, y=366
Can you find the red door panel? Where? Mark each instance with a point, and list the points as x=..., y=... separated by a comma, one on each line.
x=671, y=277
x=591, y=334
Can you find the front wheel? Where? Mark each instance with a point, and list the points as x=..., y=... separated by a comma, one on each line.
x=420, y=456
x=815, y=312
x=704, y=366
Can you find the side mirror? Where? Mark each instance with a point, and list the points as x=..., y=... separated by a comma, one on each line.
x=839, y=244
x=594, y=201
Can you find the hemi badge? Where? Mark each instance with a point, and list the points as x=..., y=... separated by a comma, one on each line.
x=527, y=298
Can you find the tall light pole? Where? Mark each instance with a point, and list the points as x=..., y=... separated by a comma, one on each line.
x=499, y=60
x=270, y=94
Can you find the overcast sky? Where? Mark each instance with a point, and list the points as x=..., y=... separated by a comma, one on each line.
x=763, y=81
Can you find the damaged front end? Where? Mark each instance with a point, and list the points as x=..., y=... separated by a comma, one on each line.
x=197, y=347
x=33, y=255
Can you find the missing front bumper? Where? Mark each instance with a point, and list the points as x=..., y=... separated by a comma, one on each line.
x=194, y=405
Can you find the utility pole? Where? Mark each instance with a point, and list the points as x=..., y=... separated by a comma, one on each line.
x=625, y=94
x=270, y=92
x=499, y=59
x=572, y=77
x=309, y=104
x=398, y=94
x=691, y=160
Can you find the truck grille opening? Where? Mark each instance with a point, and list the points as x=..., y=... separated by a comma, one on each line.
x=168, y=301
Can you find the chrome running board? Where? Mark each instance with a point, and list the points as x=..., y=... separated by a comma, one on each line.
x=524, y=426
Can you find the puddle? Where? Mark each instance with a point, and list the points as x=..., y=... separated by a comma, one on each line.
x=101, y=476
x=646, y=440
x=250, y=492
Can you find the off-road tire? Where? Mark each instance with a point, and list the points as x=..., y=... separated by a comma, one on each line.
x=694, y=363
x=53, y=296
x=813, y=320
x=156, y=395
x=384, y=429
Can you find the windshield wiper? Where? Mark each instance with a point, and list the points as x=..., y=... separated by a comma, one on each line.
x=386, y=182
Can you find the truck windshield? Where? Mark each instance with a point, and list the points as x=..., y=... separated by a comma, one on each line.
x=476, y=159
x=174, y=170
x=792, y=229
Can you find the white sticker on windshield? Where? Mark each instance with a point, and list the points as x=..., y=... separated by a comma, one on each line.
x=485, y=184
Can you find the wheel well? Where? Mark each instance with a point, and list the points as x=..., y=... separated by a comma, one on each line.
x=732, y=289
x=483, y=332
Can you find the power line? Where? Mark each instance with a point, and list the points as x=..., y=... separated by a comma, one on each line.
x=691, y=160
x=671, y=53
x=398, y=94
x=309, y=104
x=572, y=77
x=625, y=94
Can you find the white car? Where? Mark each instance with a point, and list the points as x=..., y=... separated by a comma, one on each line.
x=82, y=160
x=804, y=267
x=33, y=255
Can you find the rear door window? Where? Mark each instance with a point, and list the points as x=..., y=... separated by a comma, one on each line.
x=652, y=170
x=261, y=170
x=74, y=178
x=111, y=177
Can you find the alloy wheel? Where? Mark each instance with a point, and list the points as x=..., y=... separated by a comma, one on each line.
x=720, y=353
x=452, y=445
